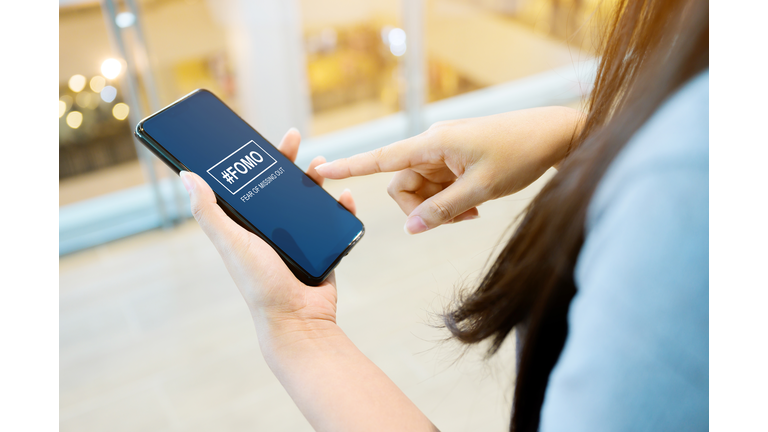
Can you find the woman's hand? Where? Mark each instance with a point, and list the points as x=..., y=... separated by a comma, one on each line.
x=453, y=167
x=273, y=294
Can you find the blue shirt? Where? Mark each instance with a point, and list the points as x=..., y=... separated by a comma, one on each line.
x=637, y=353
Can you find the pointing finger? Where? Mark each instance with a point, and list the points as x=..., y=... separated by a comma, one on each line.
x=394, y=157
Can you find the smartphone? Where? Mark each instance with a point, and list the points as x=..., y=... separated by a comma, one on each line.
x=255, y=184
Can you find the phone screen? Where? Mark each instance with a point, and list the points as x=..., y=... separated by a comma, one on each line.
x=261, y=184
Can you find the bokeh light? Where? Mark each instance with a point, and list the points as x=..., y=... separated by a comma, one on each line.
x=396, y=39
x=77, y=83
x=125, y=19
x=111, y=68
x=396, y=36
x=108, y=94
x=120, y=111
x=62, y=108
x=397, y=50
x=97, y=83
x=67, y=100
x=74, y=119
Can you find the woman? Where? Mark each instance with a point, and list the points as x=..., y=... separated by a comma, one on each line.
x=607, y=271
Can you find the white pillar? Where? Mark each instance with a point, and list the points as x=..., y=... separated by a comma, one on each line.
x=266, y=49
x=414, y=63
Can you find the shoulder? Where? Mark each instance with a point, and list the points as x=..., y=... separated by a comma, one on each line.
x=653, y=201
x=674, y=139
x=636, y=357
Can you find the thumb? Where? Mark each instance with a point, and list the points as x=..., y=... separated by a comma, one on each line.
x=440, y=208
x=219, y=227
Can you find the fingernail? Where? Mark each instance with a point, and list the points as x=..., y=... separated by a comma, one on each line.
x=415, y=225
x=346, y=190
x=322, y=165
x=189, y=182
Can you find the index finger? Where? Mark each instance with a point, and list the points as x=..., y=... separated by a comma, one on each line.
x=394, y=157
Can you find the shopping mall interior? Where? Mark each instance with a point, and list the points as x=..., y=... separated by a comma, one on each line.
x=153, y=332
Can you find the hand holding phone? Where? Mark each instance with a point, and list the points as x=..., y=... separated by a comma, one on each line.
x=257, y=186
x=269, y=288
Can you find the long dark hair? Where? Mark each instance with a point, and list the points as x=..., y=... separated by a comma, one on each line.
x=650, y=49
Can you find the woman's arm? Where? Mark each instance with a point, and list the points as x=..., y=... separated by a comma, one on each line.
x=334, y=385
x=447, y=171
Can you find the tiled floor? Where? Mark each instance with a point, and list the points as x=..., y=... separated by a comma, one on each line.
x=155, y=337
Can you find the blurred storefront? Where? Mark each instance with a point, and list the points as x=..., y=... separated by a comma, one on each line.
x=351, y=75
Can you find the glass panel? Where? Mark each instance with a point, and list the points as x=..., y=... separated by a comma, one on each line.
x=94, y=140
x=353, y=69
x=319, y=66
x=472, y=44
x=99, y=157
x=96, y=152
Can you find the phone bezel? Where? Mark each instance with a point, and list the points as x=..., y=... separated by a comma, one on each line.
x=158, y=150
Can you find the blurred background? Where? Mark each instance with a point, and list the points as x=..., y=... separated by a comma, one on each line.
x=153, y=333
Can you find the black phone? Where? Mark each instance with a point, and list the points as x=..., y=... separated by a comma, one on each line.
x=255, y=184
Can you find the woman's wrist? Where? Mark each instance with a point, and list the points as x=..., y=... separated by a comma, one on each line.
x=567, y=127
x=276, y=332
x=332, y=382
